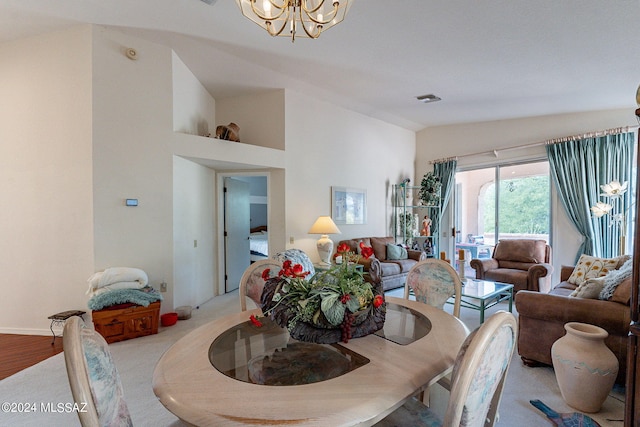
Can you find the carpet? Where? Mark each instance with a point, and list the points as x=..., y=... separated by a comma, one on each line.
x=45, y=384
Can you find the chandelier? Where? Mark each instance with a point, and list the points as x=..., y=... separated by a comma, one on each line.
x=313, y=16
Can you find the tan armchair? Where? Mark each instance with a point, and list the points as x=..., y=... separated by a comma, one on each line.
x=524, y=263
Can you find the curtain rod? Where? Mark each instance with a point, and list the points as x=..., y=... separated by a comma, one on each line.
x=611, y=131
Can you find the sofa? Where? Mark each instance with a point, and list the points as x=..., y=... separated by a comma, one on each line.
x=524, y=263
x=542, y=318
x=380, y=268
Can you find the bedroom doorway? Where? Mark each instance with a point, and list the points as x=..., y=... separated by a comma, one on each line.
x=236, y=231
x=246, y=210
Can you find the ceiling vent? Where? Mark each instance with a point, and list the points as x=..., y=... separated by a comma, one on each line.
x=428, y=98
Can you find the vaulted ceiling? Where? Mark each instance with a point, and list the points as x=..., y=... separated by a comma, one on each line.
x=487, y=60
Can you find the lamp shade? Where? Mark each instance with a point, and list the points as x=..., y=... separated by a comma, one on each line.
x=324, y=225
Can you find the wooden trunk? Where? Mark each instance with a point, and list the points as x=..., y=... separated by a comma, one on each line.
x=126, y=323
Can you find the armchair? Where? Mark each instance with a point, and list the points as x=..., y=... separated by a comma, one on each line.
x=524, y=263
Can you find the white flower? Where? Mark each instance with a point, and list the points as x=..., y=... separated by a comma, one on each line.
x=601, y=209
x=614, y=188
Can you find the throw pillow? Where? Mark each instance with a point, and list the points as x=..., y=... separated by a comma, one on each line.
x=622, y=294
x=396, y=252
x=590, y=267
x=590, y=288
x=613, y=279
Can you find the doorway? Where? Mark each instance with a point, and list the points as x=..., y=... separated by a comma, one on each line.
x=245, y=224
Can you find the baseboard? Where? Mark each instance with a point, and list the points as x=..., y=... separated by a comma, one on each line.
x=17, y=331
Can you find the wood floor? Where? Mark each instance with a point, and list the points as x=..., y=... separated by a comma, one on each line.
x=18, y=352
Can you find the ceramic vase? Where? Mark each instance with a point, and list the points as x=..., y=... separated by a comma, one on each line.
x=585, y=368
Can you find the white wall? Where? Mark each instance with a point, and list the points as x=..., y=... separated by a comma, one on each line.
x=193, y=232
x=448, y=141
x=132, y=158
x=194, y=212
x=260, y=117
x=46, y=219
x=331, y=146
x=194, y=109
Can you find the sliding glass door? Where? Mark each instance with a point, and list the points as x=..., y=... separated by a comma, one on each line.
x=502, y=202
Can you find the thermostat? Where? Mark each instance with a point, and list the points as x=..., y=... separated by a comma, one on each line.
x=132, y=202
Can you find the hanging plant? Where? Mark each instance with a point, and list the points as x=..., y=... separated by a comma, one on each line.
x=430, y=189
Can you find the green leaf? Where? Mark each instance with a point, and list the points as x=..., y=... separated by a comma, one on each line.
x=353, y=304
x=333, y=309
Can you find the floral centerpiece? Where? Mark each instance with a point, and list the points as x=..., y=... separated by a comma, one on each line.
x=332, y=306
x=614, y=191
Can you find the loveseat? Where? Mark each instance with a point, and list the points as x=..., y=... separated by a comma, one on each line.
x=542, y=318
x=524, y=263
x=380, y=267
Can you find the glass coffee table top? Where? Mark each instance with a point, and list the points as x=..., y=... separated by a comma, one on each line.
x=483, y=294
x=482, y=289
x=267, y=355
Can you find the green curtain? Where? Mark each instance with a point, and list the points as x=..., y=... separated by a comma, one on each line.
x=578, y=169
x=446, y=172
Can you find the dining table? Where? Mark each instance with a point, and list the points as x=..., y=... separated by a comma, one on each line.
x=230, y=372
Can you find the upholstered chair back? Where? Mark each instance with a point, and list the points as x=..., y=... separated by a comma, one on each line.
x=93, y=377
x=252, y=281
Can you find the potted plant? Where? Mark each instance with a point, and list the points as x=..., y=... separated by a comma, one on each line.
x=332, y=306
x=430, y=189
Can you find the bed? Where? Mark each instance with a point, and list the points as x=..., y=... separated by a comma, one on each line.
x=259, y=243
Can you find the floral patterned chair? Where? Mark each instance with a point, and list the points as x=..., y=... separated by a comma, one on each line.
x=434, y=281
x=479, y=374
x=252, y=283
x=296, y=256
x=93, y=377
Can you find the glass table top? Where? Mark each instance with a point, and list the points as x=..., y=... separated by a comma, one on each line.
x=269, y=356
x=482, y=289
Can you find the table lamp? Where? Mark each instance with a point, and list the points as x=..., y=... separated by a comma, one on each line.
x=324, y=225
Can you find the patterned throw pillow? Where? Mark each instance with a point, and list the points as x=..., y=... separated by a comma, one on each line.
x=590, y=267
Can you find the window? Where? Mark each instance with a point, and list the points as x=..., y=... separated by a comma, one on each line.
x=503, y=202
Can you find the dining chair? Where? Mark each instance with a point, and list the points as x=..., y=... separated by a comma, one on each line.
x=479, y=373
x=433, y=281
x=93, y=377
x=252, y=283
x=296, y=256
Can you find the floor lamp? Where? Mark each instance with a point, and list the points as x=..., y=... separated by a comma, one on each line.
x=324, y=225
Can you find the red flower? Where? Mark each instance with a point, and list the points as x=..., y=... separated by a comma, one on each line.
x=265, y=274
x=365, y=251
x=292, y=271
x=255, y=321
x=377, y=301
x=342, y=248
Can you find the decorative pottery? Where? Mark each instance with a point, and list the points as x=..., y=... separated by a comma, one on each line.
x=585, y=367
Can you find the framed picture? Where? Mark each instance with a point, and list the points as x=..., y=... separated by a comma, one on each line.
x=348, y=205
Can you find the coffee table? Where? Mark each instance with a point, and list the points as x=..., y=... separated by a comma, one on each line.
x=483, y=294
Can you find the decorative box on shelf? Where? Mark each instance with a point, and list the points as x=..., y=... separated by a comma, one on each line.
x=126, y=323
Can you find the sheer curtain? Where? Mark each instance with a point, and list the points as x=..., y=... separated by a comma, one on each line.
x=578, y=168
x=446, y=172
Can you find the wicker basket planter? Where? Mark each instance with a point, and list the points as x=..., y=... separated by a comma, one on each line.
x=365, y=321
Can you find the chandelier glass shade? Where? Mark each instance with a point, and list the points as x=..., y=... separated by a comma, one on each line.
x=304, y=18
